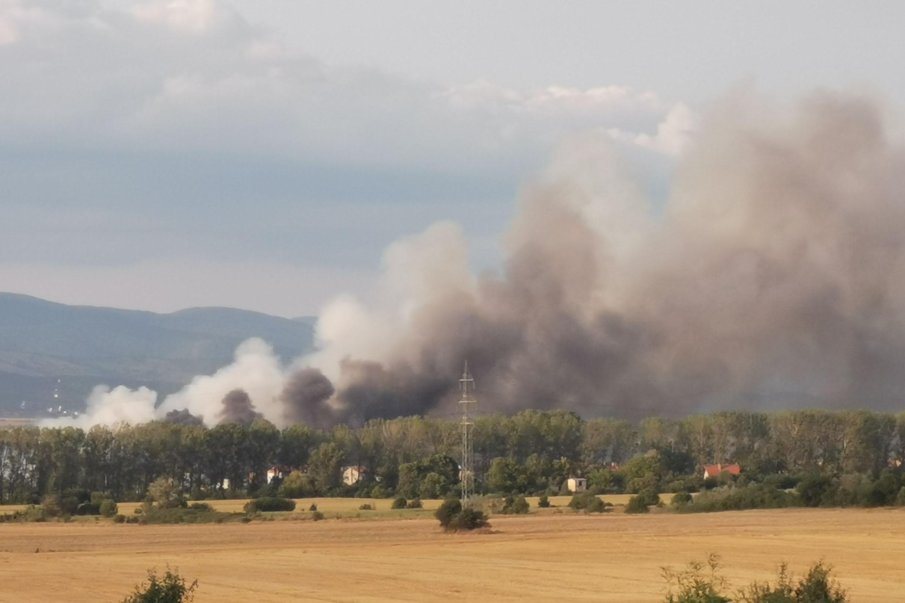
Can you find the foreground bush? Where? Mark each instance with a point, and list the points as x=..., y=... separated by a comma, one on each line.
x=269, y=503
x=399, y=503
x=701, y=583
x=170, y=588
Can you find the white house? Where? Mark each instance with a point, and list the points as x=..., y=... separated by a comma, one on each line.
x=353, y=474
x=576, y=484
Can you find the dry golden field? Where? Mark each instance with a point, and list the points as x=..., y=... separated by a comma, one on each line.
x=544, y=557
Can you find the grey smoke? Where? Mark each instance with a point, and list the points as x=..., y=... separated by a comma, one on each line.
x=238, y=408
x=306, y=397
x=774, y=277
x=183, y=417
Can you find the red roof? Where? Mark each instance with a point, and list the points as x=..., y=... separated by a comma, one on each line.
x=716, y=470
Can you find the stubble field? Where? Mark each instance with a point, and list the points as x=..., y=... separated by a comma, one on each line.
x=546, y=557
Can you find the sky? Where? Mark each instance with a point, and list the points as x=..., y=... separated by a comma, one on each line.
x=262, y=154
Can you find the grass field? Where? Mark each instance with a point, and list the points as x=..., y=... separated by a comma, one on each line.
x=547, y=557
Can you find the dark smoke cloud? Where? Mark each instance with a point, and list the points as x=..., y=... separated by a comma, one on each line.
x=774, y=277
x=183, y=417
x=238, y=408
x=306, y=398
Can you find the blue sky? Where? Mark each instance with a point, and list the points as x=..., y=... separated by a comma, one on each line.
x=262, y=154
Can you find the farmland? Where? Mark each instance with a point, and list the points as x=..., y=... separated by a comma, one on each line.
x=549, y=556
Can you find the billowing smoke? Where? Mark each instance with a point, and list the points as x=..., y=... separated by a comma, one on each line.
x=238, y=408
x=773, y=276
x=307, y=397
x=183, y=417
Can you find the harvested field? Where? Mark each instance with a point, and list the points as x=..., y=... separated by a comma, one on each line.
x=549, y=557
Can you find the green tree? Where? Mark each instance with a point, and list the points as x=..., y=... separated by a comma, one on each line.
x=165, y=493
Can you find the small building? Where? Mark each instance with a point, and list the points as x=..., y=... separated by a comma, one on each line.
x=277, y=472
x=576, y=484
x=719, y=469
x=353, y=474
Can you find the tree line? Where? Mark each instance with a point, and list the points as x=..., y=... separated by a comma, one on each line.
x=532, y=452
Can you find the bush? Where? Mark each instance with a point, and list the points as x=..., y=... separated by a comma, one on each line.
x=317, y=515
x=515, y=505
x=447, y=511
x=816, y=587
x=399, y=503
x=108, y=508
x=637, y=504
x=119, y=518
x=201, y=506
x=269, y=503
x=734, y=498
x=165, y=493
x=681, y=499
x=366, y=507
x=415, y=503
x=543, y=502
x=697, y=583
x=468, y=519
x=51, y=506
x=814, y=490
x=313, y=507
x=170, y=588
x=587, y=502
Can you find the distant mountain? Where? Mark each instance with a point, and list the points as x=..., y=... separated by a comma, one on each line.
x=49, y=349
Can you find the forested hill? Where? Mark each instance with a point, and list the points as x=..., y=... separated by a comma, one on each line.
x=81, y=346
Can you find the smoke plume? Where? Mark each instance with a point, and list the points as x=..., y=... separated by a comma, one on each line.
x=238, y=408
x=773, y=276
x=306, y=397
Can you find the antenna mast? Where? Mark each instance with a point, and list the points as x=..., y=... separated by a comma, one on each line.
x=466, y=402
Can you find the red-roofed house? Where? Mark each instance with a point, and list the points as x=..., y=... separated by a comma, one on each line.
x=718, y=469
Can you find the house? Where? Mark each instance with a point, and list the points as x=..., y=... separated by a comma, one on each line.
x=277, y=472
x=576, y=484
x=353, y=474
x=719, y=469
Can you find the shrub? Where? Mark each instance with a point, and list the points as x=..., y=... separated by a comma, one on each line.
x=317, y=515
x=697, y=583
x=543, y=502
x=366, y=507
x=514, y=505
x=170, y=588
x=816, y=586
x=680, y=499
x=468, y=519
x=415, y=503
x=108, y=508
x=448, y=510
x=201, y=506
x=399, y=503
x=165, y=493
x=814, y=489
x=51, y=506
x=269, y=503
x=313, y=507
x=587, y=502
x=119, y=518
x=733, y=498
x=637, y=504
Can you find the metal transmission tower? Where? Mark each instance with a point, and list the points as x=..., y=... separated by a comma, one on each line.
x=466, y=402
